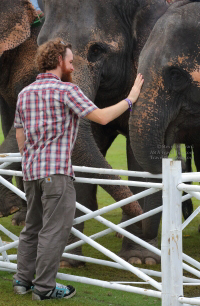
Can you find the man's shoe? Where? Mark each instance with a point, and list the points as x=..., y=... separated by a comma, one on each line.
x=21, y=287
x=59, y=292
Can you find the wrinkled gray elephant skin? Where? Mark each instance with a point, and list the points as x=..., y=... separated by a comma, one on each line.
x=107, y=37
x=168, y=109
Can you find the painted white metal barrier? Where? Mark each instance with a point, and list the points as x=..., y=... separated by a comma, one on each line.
x=170, y=289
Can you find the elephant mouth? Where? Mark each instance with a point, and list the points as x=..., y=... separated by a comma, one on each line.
x=169, y=141
x=183, y=129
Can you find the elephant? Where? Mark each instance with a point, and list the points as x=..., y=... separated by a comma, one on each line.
x=22, y=68
x=95, y=51
x=107, y=37
x=18, y=48
x=168, y=109
x=18, y=45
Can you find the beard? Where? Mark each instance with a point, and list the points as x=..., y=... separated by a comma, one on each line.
x=66, y=75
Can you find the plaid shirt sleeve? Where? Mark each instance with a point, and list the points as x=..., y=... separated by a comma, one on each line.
x=78, y=102
x=17, y=121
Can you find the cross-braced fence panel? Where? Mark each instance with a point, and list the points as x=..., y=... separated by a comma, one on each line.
x=170, y=289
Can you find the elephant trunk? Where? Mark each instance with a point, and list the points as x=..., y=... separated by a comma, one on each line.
x=147, y=126
x=85, y=77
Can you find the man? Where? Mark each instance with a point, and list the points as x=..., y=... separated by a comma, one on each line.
x=46, y=121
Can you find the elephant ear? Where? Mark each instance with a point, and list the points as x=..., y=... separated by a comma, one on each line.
x=16, y=17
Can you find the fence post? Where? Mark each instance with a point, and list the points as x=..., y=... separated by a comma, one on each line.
x=165, y=240
x=171, y=245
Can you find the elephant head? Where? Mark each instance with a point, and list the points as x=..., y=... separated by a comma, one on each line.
x=168, y=110
x=16, y=17
x=17, y=51
x=104, y=39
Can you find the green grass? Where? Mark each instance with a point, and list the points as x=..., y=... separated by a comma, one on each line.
x=1, y=137
x=92, y=295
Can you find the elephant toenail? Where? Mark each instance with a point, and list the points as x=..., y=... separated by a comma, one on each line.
x=13, y=210
x=135, y=260
x=150, y=261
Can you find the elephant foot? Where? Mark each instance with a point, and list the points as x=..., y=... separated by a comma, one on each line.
x=12, y=210
x=150, y=261
x=137, y=255
x=187, y=208
x=19, y=217
x=70, y=263
x=10, y=203
x=135, y=261
x=118, y=235
x=64, y=264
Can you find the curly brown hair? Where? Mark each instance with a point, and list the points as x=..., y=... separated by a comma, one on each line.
x=47, y=57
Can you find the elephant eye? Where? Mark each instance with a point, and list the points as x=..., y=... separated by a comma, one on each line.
x=175, y=75
x=176, y=79
x=95, y=52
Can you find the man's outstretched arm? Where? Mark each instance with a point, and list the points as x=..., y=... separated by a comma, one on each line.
x=107, y=114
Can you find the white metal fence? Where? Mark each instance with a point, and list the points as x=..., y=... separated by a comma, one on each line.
x=170, y=288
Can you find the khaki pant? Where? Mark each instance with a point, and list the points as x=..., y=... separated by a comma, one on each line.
x=50, y=215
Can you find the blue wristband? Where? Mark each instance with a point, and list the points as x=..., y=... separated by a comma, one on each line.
x=129, y=104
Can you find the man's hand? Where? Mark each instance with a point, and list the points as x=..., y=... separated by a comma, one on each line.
x=135, y=91
x=107, y=114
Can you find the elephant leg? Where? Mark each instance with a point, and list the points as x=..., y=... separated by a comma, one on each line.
x=86, y=153
x=150, y=225
x=134, y=166
x=86, y=195
x=9, y=201
x=187, y=206
x=131, y=251
x=104, y=136
x=134, y=253
x=6, y=117
x=196, y=151
x=19, y=217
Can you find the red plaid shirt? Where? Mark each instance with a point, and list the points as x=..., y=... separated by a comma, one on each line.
x=49, y=110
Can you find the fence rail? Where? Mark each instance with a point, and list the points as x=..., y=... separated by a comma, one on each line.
x=170, y=289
